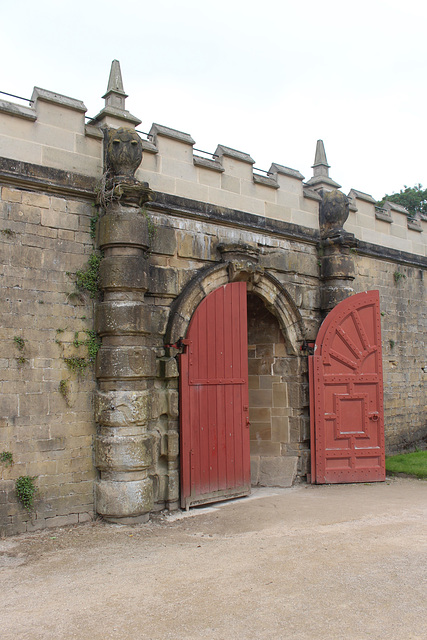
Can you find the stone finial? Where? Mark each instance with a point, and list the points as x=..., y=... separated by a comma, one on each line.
x=334, y=210
x=123, y=153
x=115, y=95
x=320, y=166
x=114, y=113
x=321, y=179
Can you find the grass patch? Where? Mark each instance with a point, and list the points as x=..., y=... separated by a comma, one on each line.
x=412, y=464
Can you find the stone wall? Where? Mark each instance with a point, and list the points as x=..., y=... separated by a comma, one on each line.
x=205, y=221
x=46, y=414
x=275, y=404
x=403, y=296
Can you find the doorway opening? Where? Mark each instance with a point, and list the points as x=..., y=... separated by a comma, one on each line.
x=278, y=402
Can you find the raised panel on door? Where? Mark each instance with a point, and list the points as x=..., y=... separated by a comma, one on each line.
x=346, y=394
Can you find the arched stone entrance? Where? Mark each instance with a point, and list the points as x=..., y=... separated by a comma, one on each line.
x=278, y=394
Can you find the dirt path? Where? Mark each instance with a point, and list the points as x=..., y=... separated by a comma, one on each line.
x=311, y=562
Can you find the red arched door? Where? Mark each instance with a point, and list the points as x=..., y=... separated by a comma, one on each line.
x=346, y=394
x=214, y=406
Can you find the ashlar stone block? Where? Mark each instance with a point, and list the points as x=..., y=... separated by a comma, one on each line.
x=124, y=499
x=277, y=471
x=122, y=408
x=123, y=453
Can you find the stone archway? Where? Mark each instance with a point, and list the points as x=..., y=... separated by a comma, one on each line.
x=261, y=283
x=276, y=462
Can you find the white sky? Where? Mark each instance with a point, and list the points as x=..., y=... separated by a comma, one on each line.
x=265, y=78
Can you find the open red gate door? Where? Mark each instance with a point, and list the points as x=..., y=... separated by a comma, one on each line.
x=215, y=455
x=346, y=394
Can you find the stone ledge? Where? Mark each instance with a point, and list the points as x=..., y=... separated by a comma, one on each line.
x=120, y=114
x=174, y=134
x=266, y=181
x=17, y=110
x=207, y=163
x=360, y=195
x=286, y=171
x=414, y=225
x=393, y=255
x=382, y=214
x=25, y=175
x=395, y=207
x=148, y=146
x=228, y=152
x=310, y=193
x=57, y=98
x=93, y=132
x=185, y=207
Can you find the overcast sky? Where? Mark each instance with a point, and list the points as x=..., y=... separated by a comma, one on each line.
x=265, y=78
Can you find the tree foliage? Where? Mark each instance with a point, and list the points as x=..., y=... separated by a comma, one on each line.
x=414, y=199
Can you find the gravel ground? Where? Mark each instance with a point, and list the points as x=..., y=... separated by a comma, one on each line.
x=311, y=562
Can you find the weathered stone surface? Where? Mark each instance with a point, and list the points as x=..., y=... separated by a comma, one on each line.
x=164, y=281
x=123, y=228
x=123, y=453
x=172, y=444
x=123, y=152
x=279, y=471
x=123, y=273
x=169, y=368
x=164, y=241
x=337, y=265
x=333, y=212
x=124, y=499
x=125, y=362
x=122, y=408
x=173, y=488
x=123, y=317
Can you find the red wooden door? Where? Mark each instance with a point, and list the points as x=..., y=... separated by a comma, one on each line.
x=346, y=394
x=214, y=406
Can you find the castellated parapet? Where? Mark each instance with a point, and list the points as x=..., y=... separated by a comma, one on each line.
x=53, y=133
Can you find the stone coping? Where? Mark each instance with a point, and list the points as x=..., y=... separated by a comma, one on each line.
x=174, y=134
x=57, y=98
x=207, y=163
x=361, y=196
x=228, y=152
x=285, y=171
x=17, y=110
x=267, y=181
x=25, y=175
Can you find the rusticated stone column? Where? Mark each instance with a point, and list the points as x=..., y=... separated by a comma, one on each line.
x=337, y=261
x=126, y=361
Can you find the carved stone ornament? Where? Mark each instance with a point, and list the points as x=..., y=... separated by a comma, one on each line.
x=123, y=153
x=334, y=210
x=242, y=259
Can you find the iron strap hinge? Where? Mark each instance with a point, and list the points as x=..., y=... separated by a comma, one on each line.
x=179, y=344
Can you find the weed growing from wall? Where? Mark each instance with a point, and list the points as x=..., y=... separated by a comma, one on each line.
x=8, y=233
x=88, y=279
x=78, y=364
x=64, y=390
x=6, y=458
x=93, y=223
x=398, y=275
x=26, y=490
x=20, y=342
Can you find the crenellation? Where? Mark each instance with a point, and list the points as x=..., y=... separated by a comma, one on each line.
x=53, y=133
